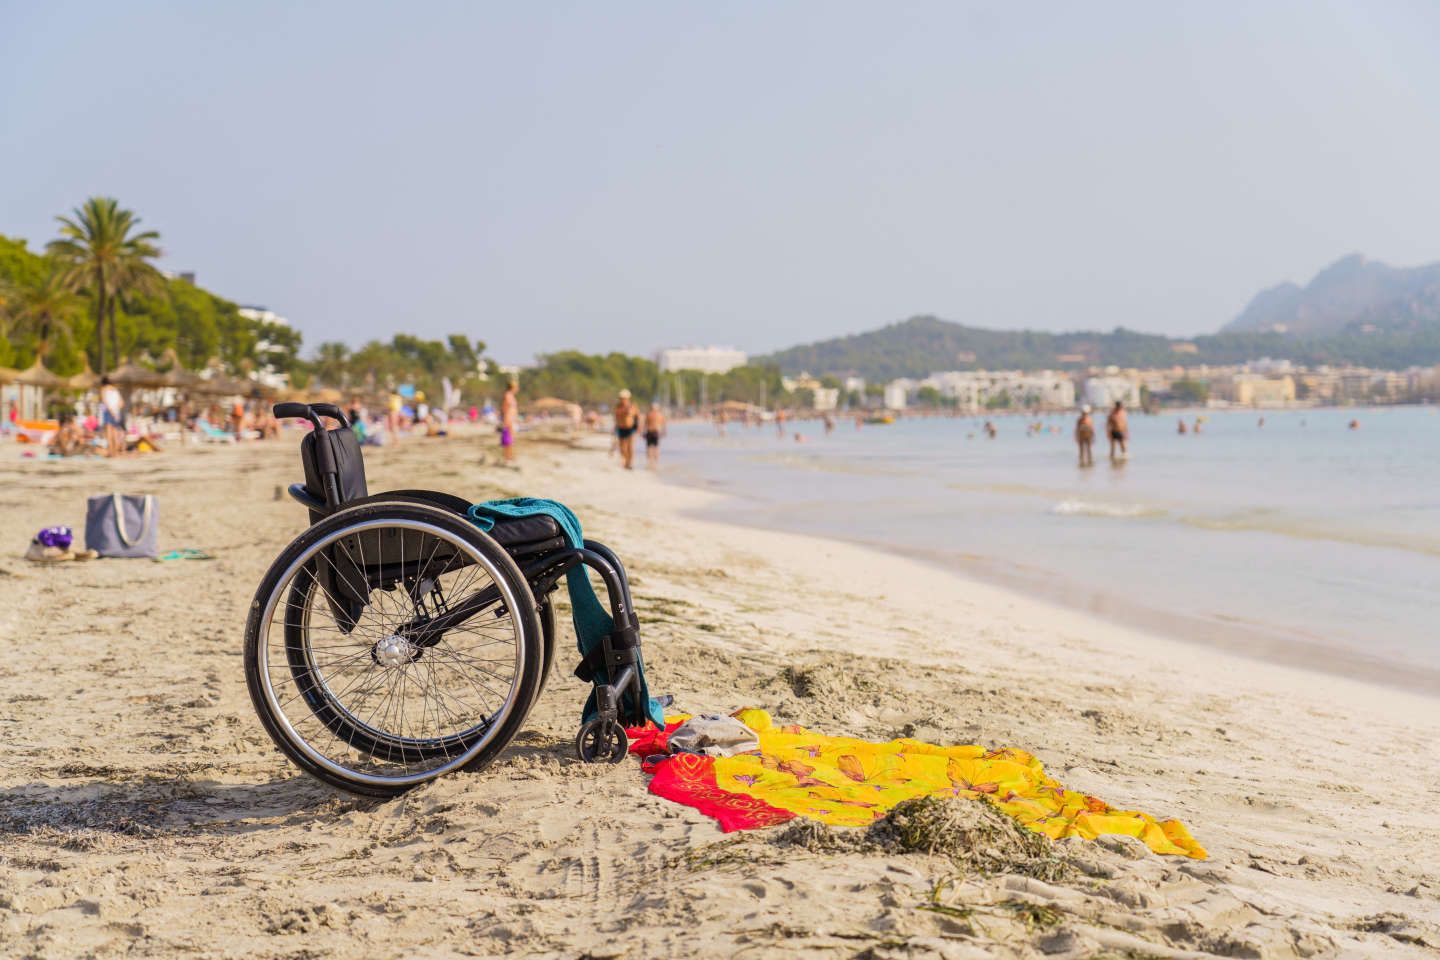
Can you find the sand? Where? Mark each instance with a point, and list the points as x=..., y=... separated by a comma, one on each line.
x=143, y=811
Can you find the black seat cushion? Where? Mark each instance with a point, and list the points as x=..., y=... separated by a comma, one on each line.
x=522, y=537
x=514, y=532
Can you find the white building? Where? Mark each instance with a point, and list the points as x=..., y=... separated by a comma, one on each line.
x=702, y=359
x=1102, y=392
x=897, y=393
x=266, y=375
x=975, y=390
x=826, y=398
x=262, y=315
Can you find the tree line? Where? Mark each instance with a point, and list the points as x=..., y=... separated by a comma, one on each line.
x=94, y=297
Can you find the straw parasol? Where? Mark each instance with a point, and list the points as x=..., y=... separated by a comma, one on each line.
x=134, y=375
x=36, y=375
x=181, y=378
x=8, y=375
x=224, y=385
x=84, y=380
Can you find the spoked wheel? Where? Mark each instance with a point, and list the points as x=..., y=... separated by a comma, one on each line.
x=390, y=644
x=602, y=741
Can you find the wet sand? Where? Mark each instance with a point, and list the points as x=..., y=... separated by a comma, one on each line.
x=143, y=811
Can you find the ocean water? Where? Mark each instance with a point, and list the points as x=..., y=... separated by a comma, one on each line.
x=1302, y=540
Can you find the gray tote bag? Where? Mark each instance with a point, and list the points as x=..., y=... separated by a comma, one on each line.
x=122, y=525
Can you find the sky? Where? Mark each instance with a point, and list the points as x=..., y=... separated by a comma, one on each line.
x=630, y=176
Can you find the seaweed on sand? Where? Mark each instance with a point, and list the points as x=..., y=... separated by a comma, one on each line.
x=975, y=835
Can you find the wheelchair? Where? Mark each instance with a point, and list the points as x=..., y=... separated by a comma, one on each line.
x=394, y=641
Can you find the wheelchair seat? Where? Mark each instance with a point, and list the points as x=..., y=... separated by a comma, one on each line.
x=522, y=537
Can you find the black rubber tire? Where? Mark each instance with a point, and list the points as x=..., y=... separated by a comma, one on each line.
x=526, y=618
x=601, y=741
x=547, y=628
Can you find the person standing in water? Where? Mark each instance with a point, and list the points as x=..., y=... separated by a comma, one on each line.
x=1117, y=425
x=654, y=430
x=509, y=421
x=627, y=421
x=1085, y=437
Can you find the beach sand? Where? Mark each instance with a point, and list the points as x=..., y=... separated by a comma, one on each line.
x=144, y=812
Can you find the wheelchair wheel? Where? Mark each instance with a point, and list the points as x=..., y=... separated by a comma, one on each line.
x=392, y=643
x=602, y=740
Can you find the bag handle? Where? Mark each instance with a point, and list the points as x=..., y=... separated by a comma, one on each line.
x=120, y=519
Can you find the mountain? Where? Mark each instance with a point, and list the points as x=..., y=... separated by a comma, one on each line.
x=921, y=345
x=1346, y=296
x=1393, y=336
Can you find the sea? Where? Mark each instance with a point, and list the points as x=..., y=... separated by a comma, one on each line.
x=1310, y=537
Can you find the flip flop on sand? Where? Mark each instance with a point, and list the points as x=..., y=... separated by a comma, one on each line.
x=39, y=553
x=185, y=553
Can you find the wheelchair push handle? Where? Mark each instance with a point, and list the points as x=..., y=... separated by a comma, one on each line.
x=329, y=471
x=310, y=411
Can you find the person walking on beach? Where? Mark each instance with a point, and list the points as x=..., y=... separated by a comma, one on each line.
x=654, y=430
x=112, y=417
x=627, y=421
x=509, y=421
x=1117, y=425
x=1085, y=437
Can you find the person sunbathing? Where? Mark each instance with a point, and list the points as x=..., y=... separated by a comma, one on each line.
x=70, y=439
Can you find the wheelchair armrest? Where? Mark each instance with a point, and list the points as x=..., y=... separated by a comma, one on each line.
x=302, y=496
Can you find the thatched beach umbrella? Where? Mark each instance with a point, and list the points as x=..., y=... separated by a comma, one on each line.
x=181, y=379
x=134, y=375
x=554, y=406
x=84, y=380
x=223, y=385
x=7, y=375
x=36, y=375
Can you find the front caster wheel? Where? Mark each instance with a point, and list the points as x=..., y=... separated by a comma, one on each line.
x=602, y=741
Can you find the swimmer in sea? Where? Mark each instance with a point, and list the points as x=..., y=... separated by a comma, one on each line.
x=1085, y=437
x=627, y=421
x=1117, y=425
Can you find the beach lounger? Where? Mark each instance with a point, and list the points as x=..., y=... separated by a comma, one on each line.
x=211, y=434
x=407, y=634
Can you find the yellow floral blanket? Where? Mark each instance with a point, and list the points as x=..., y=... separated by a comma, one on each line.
x=847, y=782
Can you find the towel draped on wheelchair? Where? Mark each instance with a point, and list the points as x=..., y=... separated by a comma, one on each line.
x=604, y=647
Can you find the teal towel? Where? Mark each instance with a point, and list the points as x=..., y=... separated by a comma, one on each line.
x=592, y=620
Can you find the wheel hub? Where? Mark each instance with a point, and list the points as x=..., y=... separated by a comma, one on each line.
x=394, y=651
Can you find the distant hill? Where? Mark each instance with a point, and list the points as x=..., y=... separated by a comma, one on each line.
x=921, y=345
x=1393, y=336
x=1346, y=296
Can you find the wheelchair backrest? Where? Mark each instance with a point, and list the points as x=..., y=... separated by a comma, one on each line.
x=349, y=464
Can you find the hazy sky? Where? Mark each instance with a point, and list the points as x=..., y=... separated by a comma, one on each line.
x=626, y=176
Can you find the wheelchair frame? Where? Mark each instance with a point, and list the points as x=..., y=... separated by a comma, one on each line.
x=542, y=564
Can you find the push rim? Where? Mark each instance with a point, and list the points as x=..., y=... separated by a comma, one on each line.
x=363, y=703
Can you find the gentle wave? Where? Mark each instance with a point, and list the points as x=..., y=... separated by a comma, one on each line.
x=1090, y=508
x=1274, y=523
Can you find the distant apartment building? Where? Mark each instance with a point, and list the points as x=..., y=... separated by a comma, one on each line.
x=263, y=315
x=266, y=375
x=700, y=359
x=1253, y=389
x=1101, y=392
x=975, y=390
x=897, y=394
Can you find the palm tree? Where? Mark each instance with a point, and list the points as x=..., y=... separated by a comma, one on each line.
x=46, y=310
x=102, y=254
